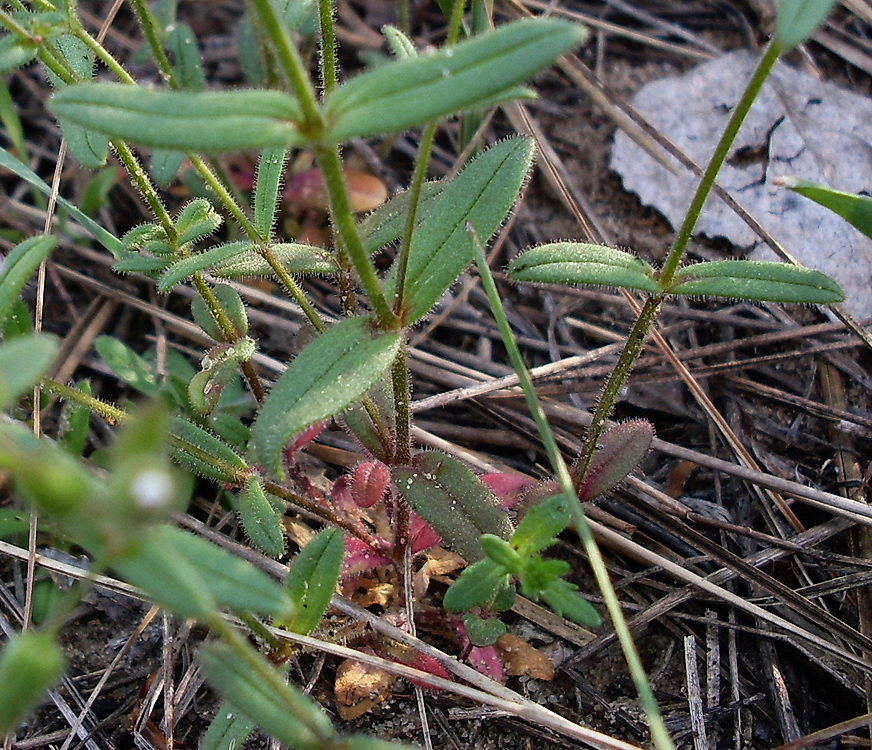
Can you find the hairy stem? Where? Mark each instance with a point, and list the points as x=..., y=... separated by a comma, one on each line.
x=655, y=720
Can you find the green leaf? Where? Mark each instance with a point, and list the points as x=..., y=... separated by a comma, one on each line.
x=482, y=194
x=388, y=221
x=206, y=455
x=13, y=523
x=201, y=121
x=165, y=165
x=228, y=731
x=76, y=54
x=328, y=375
x=416, y=90
x=260, y=521
x=96, y=194
x=270, y=171
x=46, y=475
x=561, y=596
x=88, y=147
x=364, y=742
x=11, y=119
x=75, y=423
x=401, y=46
x=31, y=663
x=294, y=257
x=17, y=322
x=583, y=263
x=501, y=552
x=192, y=576
x=109, y=241
x=757, y=280
x=476, y=585
x=281, y=710
x=197, y=219
x=182, y=43
x=153, y=564
x=18, y=266
x=312, y=580
x=187, y=267
x=797, y=19
x=14, y=53
x=233, y=306
x=23, y=361
x=855, y=209
x=127, y=365
x=539, y=528
x=483, y=631
x=454, y=501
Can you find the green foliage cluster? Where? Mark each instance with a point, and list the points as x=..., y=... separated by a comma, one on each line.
x=204, y=420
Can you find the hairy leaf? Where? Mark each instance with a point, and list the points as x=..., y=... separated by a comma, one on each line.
x=620, y=450
x=757, y=280
x=281, y=710
x=205, y=454
x=18, y=266
x=476, y=585
x=312, y=580
x=191, y=576
x=260, y=521
x=332, y=372
x=293, y=257
x=201, y=121
x=23, y=361
x=583, y=263
x=187, y=267
x=228, y=731
x=270, y=170
x=416, y=90
x=454, y=501
x=14, y=53
x=482, y=194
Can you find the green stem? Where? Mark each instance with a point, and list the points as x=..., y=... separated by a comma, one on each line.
x=402, y=394
x=106, y=410
x=329, y=76
x=290, y=63
x=103, y=54
x=328, y=157
x=643, y=324
x=223, y=195
x=456, y=21
x=415, y=188
x=229, y=331
x=612, y=389
x=403, y=16
x=11, y=25
x=655, y=720
x=722, y=150
x=143, y=183
x=291, y=286
x=343, y=220
x=149, y=25
x=323, y=512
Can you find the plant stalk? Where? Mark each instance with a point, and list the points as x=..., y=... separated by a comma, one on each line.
x=659, y=734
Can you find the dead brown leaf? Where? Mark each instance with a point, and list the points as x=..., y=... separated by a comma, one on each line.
x=360, y=687
x=520, y=658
